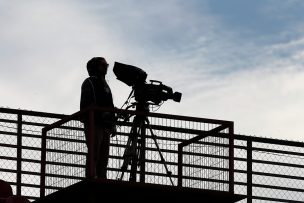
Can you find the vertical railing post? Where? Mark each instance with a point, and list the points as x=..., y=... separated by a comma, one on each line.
x=180, y=166
x=19, y=153
x=91, y=168
x=142, y=157
x=249, y=171
x=43, y=163
x=231, y=158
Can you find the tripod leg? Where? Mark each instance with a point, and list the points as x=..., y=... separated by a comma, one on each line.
x=126, y=157
x=130, y=154
x=169, y=173
x=138, y=148
x=134, y=158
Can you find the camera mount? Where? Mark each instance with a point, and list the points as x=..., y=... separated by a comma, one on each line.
x=145, y=94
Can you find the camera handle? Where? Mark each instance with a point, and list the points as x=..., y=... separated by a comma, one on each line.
x=156, y=81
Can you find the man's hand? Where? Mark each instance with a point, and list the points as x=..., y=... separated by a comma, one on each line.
x=111, y=131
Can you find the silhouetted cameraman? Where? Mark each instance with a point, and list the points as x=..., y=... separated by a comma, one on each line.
x=96, y=92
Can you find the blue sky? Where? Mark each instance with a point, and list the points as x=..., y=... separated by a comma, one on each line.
x=235, y=60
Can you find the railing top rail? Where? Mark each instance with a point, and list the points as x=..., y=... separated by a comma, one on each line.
x=159, y=115
x=202, y=135
x=64, y=120
x=269, y=140
x=31, y=113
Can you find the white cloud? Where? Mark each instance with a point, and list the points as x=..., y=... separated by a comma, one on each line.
x=48, y=45
x=45, y=45
x=260, y=102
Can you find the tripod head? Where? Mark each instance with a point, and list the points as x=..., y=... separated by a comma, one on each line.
x=134, y=154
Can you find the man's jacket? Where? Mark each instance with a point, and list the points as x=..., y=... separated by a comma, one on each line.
x=96, y=92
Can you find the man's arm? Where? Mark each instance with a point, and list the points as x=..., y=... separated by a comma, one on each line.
x=87, y=94
x=87, y=98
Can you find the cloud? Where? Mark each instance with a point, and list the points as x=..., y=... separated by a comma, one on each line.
x=45, y=49
x=221, y=73
x=282, y=10
x=264, y=99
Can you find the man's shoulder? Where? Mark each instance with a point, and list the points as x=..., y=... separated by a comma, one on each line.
x=86, y=83
x=88, y=80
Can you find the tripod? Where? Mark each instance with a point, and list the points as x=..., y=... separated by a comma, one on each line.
x=134, y=153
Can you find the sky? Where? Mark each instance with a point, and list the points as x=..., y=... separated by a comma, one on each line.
x=235, y=60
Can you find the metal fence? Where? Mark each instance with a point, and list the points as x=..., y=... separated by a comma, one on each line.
x=65, y=151
x=20, y=149
x=207, y=161
x=269, y=170
x=266, y=170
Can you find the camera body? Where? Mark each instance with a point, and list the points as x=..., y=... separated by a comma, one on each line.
x=144, y=92
x=155, y=92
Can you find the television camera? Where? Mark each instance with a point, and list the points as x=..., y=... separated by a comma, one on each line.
x=154, y=92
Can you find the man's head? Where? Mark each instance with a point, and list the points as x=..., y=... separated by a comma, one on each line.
x=97, y=66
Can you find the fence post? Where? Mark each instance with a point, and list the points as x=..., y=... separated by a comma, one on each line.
x=231, y=158
x=91, y=164
x=19, y=154
x=180, y=166
x=249, y=171
x=43, y=163
x=142, y=157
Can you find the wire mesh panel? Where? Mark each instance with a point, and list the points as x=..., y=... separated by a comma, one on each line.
x=20, y=149
x=240, y=167
x=168, y=133
x=8, y=149
x=31, y=152
x=278, y=172
x=65, y=156
x=205, y=162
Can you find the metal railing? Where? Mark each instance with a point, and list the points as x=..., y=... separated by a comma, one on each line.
x=64, y=150
x=20, y=149
x=207, y=160
x=266, y=170
x=269, y=170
